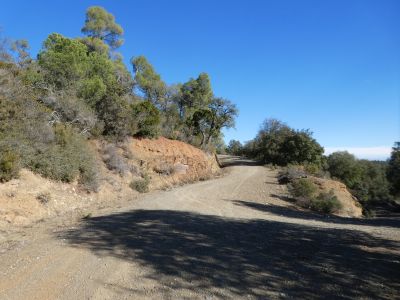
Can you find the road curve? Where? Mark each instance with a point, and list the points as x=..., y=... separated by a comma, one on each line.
x=228, y=238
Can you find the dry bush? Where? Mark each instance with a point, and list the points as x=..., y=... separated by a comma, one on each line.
x=114, y=161
x=164, y=169
x=67, y=108
x=290, y=174
x=303, y=188
x=141, y=185
x=44, y=197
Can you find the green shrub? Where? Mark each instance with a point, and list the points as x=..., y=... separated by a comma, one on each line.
x=68, y=158
x=141, y=185
x=113, y=111
x=393, y=170
x=366, y=179
x=146, y=118
x=303, y=188
x=304, y=191
x=317, y=170
x=9, y=165
x=325, y=203
x=40, y=142
x=345, y=167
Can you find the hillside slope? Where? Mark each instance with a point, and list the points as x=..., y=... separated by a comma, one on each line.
x=31, y=198
x=350, y=207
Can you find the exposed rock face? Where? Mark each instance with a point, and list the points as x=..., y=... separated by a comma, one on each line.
x=173, y=162
x=350, y=206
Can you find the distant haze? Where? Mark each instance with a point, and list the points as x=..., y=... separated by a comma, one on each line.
x=371, y=153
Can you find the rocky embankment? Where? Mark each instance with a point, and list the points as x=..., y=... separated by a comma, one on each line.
x=32, y=198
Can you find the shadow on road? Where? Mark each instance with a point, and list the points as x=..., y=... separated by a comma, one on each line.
x=245, y=258
x=292, y=212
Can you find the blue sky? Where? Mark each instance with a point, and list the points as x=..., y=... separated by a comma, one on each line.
x=331, y=66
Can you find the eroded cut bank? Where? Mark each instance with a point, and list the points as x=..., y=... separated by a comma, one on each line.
x=164, y=162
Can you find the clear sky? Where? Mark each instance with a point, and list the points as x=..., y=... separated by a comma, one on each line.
x=330, y=66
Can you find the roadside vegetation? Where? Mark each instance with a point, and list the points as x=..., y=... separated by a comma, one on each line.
x=141, y=185
x=367, y=180
x=78, y=89
x=278, y=144
x=373, y=183
x=306, y=195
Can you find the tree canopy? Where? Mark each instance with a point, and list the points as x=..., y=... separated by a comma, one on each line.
x=79, y=88
x=101, y=25
x=366, y=179
x=149, y=82
x=234, y=147
x=195, y=94
x=393, y=172
x=279, y=144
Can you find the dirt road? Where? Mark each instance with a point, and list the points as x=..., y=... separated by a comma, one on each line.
x=232, y=237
